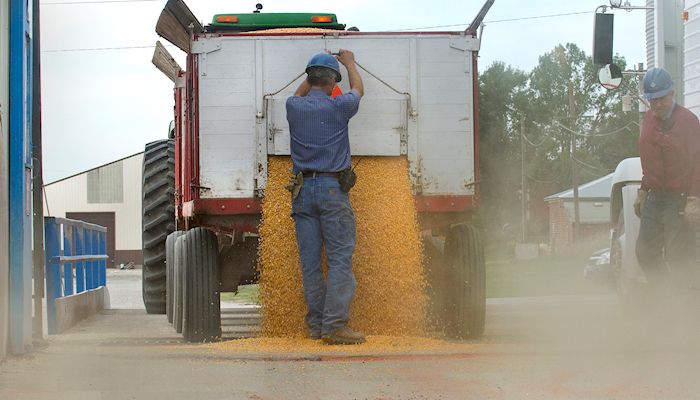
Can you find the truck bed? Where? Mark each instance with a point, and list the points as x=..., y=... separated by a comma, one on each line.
x=423, y=109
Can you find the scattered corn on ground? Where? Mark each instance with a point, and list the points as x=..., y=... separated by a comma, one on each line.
x=374, y=345
x=390, y=297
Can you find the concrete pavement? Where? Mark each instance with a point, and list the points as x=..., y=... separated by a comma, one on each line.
x=541, y=348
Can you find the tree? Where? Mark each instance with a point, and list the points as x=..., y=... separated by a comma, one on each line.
x=499, y=89
x=559, y=101
x=567, y=103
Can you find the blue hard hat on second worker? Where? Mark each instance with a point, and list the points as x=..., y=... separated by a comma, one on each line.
x=325, y=60
x=657, y=83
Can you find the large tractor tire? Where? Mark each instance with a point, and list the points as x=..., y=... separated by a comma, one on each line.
x=158, y=207
x=180, y=258
x=170, y=273
x=202, y=308
x=464, y=256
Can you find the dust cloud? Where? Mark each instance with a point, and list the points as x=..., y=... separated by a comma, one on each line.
x=645, y=345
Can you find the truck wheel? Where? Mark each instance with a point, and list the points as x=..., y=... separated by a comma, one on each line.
x=180, y=258
x=464, y=255
x=170, y=271
x=158, y=208
x=202, y=322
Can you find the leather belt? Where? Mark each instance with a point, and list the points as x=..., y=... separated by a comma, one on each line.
x=668, y=191
x=314, y=174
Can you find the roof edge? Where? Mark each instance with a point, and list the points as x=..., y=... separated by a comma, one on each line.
x=92, y=169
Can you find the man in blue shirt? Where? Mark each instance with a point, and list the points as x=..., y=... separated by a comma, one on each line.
x=320, y=149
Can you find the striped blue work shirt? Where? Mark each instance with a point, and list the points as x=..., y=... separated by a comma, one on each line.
x=318, y=127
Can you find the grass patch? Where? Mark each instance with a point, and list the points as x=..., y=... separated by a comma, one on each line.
x=247, y=294
x=553, y=275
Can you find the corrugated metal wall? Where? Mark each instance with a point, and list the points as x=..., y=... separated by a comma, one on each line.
x=4, y=261
x=650, y=34
x=106, y=185
x=96, y=191
x=673, y=41
x=692, y=57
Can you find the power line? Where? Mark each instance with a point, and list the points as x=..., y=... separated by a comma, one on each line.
x=615, y=132
x=393, y=30
x=530, y=177
x=63, y=3
x=102, y=49
x=539, y=17
x=583, y=164
x=591, y=173
x=535, y=144
x=496, y=21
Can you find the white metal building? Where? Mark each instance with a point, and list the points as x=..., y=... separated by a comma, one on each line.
x=692, y=57
x=109, y=195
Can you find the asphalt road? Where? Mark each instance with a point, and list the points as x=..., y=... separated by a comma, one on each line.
x=542, y=348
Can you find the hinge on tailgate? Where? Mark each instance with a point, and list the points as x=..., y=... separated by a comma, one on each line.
x=464, y=43
x=403, y=137
x=204, y=47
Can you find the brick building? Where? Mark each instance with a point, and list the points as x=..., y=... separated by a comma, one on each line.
x=594, y=212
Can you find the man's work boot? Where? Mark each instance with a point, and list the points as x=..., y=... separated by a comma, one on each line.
x=344, y=335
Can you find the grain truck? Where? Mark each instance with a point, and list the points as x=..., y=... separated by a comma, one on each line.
x=207, y=181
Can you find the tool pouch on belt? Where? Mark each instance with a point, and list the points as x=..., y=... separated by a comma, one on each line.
x=347, y=179
x=691, y=212
x=295, y=184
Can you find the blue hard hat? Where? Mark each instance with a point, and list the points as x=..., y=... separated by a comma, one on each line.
x=657, y=83
x=325, y=60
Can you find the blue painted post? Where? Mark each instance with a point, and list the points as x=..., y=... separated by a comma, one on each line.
x=20, y=267
x=88, y=264
x=52, y=243
x=68, y=232
x=95, y=263
x=103, y=263
x=79, y=266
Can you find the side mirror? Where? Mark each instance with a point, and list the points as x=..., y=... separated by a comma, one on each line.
x=171, y=130
x=610, y=76
x=603, y=39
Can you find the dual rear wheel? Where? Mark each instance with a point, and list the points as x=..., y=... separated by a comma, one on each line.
x=195, y=277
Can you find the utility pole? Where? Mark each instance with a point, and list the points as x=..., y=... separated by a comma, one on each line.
x=523, y=188
x=574, y=167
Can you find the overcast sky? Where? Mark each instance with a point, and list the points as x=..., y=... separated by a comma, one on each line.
x=101, y=103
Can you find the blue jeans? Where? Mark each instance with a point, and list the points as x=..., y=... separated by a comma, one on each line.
x=665, y=245
x=324, y=217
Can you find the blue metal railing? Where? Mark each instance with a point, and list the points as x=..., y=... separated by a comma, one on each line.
x=84, y=251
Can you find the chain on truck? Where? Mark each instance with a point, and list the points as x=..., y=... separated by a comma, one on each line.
x=203, y=187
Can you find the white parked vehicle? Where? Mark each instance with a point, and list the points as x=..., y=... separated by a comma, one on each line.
x=626, y=272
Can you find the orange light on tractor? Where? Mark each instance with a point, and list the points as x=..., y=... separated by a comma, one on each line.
x=321, y=19
x=227, y=19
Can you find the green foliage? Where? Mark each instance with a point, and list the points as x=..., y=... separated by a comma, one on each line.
x=560, y=100
x=499, y=89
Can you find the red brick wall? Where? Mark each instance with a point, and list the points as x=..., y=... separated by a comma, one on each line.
x=561, y=228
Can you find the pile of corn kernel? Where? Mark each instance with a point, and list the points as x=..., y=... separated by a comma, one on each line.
x=374, y=345
x=292, y=30
x=390, y=297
